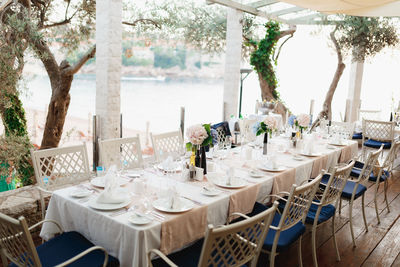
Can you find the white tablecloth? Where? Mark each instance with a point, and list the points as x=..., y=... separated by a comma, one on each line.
x=130, y=243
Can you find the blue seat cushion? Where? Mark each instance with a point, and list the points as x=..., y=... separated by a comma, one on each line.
x=326, y=213
x=377, y=144
x=357, y=136
x=355, y=172
x=286, y=237
x=66, y=246
x=348, y=190
x=186, y=257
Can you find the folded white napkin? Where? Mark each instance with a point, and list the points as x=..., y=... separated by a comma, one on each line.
x=309, y=147
x=272, y=163
x=111, y=193
x=173, y=199
x=168, y=164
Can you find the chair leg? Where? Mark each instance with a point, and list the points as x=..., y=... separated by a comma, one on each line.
x=272, y=258
x=376, y=203
x=363, y=213
x=351, y=221
x=314, y=245
x=299, y=252
x=334, y=238
x=385, y=187
x=42, y=204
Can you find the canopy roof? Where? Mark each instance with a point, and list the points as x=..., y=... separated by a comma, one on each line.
x=312, y=11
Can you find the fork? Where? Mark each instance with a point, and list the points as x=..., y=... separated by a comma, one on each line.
x=121, y=211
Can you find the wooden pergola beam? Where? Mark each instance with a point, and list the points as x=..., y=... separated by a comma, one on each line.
x=262, y=3
x=4, y=3
x=247, y=9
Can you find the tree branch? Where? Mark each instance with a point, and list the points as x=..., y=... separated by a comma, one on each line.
x=145, y=21
x=275, y=58
x=290, y=31
x=75, y=68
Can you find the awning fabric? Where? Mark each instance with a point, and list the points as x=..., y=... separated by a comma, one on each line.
x=370, y=8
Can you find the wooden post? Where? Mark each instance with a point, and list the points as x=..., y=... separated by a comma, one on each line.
x=182, y=125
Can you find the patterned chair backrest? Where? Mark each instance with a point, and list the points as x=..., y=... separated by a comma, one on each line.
x=16, y=242
x=391, y=156
x=378, y=130
x=365, y=114
x=116, y=151
x=238, y=243
x=336, y=183
x=56, y=167
x=338, y=127
x=369, y=165
x=298, y=203
x=167, y=143
x=223, y=132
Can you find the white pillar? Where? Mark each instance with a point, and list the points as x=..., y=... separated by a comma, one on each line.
x=108, y=66
x=354, y=93
x=232, y=62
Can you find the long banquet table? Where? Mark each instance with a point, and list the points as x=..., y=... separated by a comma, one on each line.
x=130, y=243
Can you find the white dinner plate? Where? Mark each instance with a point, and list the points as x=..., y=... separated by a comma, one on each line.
x=334, y=143
x=270, y=169
x=139, y=219
x=256, y=174
x=99, y=181
x=176, y=168
x=211, y=192
x=236, y=182
x=330, y=147
x=311, y=155
x=108, y=206
x=181, y=205
x=133, y=174
x=299, y=158
x=80, y=192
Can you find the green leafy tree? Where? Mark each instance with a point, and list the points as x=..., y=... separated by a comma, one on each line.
x=363, y=38
x=264, y=60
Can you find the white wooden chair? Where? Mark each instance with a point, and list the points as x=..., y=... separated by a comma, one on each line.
x=229, y=245
x=290, y=223
x=58, y=167
x=381, y=173
x=325, y=204
x=366, y=114
x=170, y=143
x=121, y=150
x=16, y=245
x=376, y=134
x=356, y=188
x=338, y=127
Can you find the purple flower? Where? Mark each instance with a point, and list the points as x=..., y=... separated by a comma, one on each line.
x=291, y=120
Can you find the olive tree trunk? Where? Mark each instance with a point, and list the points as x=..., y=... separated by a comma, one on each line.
x=61, y=77
x=326, y=111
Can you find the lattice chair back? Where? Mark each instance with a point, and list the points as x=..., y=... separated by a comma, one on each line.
x=298, y=203
x=369, y=165
x=167, y=143
x=336, y=183
x=238, y=243
x=55, y=167
x=391, y=156
x=246, y=128
x=119, y=150
x=16, y=242
x=346, y=128
x=369, y=114
x=378, y=130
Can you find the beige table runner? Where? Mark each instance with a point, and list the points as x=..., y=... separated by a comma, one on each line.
x=319, y=164
x=182, y=229
x=284, y=181
x=243, y=200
